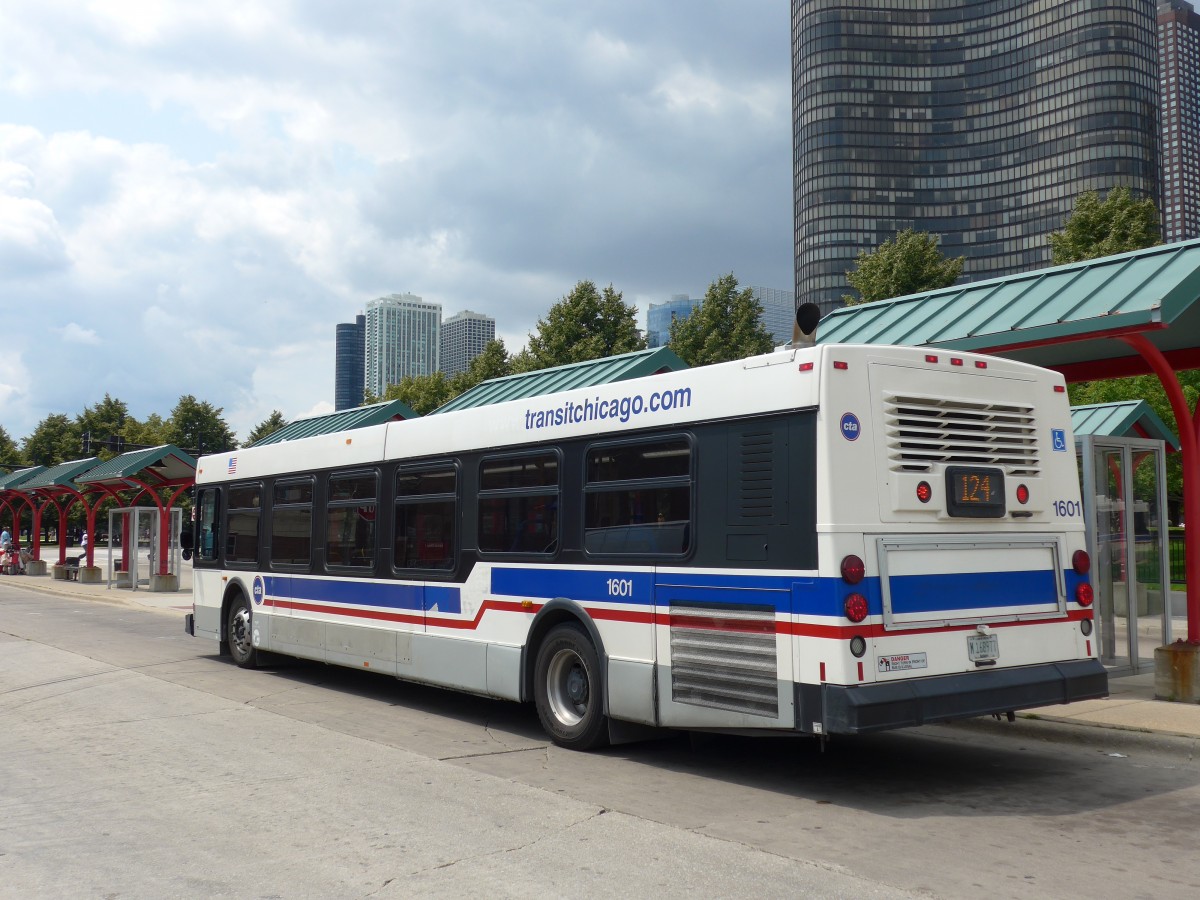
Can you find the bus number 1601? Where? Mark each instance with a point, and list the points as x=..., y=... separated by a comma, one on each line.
x=620, y=587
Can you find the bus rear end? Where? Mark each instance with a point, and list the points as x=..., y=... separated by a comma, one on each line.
x=951, y=544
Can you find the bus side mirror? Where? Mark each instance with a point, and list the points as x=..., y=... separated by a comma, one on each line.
x=186, y=539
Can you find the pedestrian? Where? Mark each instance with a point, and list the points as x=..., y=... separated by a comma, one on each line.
x=5, y=548
x=83, y=541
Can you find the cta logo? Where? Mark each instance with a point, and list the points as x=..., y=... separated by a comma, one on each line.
x=850, y=427
x=258, y=590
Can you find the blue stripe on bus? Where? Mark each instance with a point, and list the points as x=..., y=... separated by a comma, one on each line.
x=943, y=593
x=380, y=594
x=632, y=588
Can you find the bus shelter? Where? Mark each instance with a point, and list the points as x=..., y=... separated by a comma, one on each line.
x=1129, y=314
x=1121, y=448
x=14, y=502
x=158, y=476
x=55, y=488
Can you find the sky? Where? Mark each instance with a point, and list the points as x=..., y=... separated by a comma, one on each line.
x=193, y=195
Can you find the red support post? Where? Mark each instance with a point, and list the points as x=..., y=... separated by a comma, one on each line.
x=1189, y=449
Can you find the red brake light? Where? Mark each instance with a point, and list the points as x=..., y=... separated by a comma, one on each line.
x=1081, y=563
x=806, y=367
x=838, y=364
x=924, y=492
x=930, y=358
x=1022, y=494
x=853, y=570
x=1059, y=389
x=980, y=364
x=955, y=361
x=1083, y=595
x=856, y=607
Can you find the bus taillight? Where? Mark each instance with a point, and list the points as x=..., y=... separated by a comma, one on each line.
x=1083, y=594
x=1022, y=494
x=853, y=569
x=856, y=607
x=1081, y=563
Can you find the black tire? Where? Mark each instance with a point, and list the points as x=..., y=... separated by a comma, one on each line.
x=240, y=631
x=568, y=689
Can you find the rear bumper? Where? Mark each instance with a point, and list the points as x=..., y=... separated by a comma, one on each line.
x=861, y=709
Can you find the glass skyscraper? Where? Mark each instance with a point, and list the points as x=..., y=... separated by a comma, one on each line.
x=980, y=121
x=349, y=350
x=1179, y=80
x=659, y=317
x=403, y=337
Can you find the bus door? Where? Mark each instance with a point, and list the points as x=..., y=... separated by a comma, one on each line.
x=723, y=660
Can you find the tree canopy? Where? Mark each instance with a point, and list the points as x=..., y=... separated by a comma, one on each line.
x=198, y=425
x=54, y=440
x=10, y=456
x=267, y=426
x=909, y=263
x=1096, y=228
x=586, y=324
x=727, y=325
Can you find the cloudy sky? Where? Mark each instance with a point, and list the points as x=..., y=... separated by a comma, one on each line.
x=192, y=195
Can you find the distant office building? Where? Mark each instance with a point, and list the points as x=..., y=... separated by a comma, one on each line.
x=1179, y=84
x=463, y=338
x=403, y=337
x=659, y=317
x=349, y=370
x=980, y=121
x=778, y=311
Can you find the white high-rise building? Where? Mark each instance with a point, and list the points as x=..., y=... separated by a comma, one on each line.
x=403, y=338
x=463, y=338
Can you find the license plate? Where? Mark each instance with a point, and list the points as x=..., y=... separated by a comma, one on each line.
x=983, y=646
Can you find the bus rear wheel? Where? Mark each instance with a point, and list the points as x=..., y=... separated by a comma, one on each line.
x=239, y=630
x=568, y=690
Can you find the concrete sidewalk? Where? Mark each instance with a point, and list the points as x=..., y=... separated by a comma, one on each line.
x=1130, y=706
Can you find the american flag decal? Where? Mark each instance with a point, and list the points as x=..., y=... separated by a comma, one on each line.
x=232, y=470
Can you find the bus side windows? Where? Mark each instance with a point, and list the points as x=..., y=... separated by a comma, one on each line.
x=350, y=520
x=291, y=522
x=518, y=504
x=638, y=498
x=426, y=517
x=242, y=523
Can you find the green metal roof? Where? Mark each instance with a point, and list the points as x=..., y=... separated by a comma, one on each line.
x=345, y=420
x=1061, y=317
x=62, y=475
x=1127, y=418
x=564, y=378
x=17, y=478
x=164, y=464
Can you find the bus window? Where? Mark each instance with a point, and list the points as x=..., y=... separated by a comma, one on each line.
x=291, y=522
x=637, y=499
x=350, y=520
x=425, y=517
x=241, y=533
x=518, y=504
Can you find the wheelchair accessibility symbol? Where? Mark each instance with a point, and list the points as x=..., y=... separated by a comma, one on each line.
x=1059, y=436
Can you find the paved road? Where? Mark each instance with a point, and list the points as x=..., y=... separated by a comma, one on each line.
x=135, y=764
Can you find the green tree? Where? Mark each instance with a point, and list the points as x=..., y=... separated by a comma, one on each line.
x=54, y=440
x=727, y=325
x=424, y=393
x=586, y=324
x=10, y=456
x=149, y=433
x=909, y=263
x=493, y=362
x=267, y=426
x=1119, y=224
x=105, y=421
x=198, y=425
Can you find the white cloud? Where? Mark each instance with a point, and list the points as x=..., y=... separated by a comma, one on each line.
x=204, y=191
x=74, y=334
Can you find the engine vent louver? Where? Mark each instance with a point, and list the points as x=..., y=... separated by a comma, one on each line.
x=725, y=658
x=922, y=431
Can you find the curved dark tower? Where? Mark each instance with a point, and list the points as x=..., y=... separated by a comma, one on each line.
x=977, y=120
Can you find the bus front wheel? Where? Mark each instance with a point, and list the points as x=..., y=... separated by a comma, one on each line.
x=568, y=689
x=241, y=643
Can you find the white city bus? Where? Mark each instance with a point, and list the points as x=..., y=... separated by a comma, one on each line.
x=824, y=540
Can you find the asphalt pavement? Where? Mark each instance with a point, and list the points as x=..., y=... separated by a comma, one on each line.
x=1130, y=706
